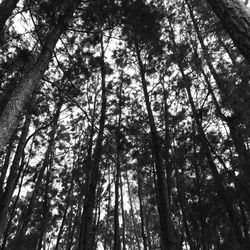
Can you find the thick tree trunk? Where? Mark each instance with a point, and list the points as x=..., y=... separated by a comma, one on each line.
x=168, y=237
x=30, y=81
x=235, y=18
x=6, y=9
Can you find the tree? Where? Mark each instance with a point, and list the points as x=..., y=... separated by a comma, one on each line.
x=30, y=81
x=6, y=9
x=235, y=18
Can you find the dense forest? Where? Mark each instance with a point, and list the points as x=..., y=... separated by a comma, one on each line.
x=124, y=125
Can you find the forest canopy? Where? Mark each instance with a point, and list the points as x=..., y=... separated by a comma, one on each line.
x=124, y=124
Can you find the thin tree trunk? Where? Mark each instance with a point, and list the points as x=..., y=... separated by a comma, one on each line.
x=30, y=81
x=117, y=240
x=167, y=143
x=123, y=215
x=45, y=210
x=198, y=176
x=183, y=205
x=142, y=214
x=222, y=192
x=132, y=211
x=26, y=215
x=235, y=18
x=168, y=236
x=13, y=210
x=108, y=213
x=13, y=175
x=70, y=240
x=64, y=215
x=93, y=168
x=5, y=166
x=225, y=197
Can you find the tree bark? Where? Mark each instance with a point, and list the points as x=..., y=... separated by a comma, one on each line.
x=30, y=81
x=235, y=18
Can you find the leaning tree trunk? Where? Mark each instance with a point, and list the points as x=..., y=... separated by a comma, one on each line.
x=13, y=175
x=218, y=180
x=30, y=81
x=26, y=215
x=235, y=18
x=6, y=8
x=233, y=124
x=168, y=236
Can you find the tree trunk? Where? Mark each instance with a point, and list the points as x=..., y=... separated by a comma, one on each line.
x=64, y=215
x=235, y=18
x=123, y=215
x=132, y=211
x=141, y=205
x=108, y=213
x=221, y=190
x=168, y=237
x=25, y=217
x=30, y=81
x=85, y=241
x=233, y=123
x=183, y=206
x=13, y=175
x=6, y=234
x=6, y=9
x=5, y=166
x=45, y=210
x=117, y=240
